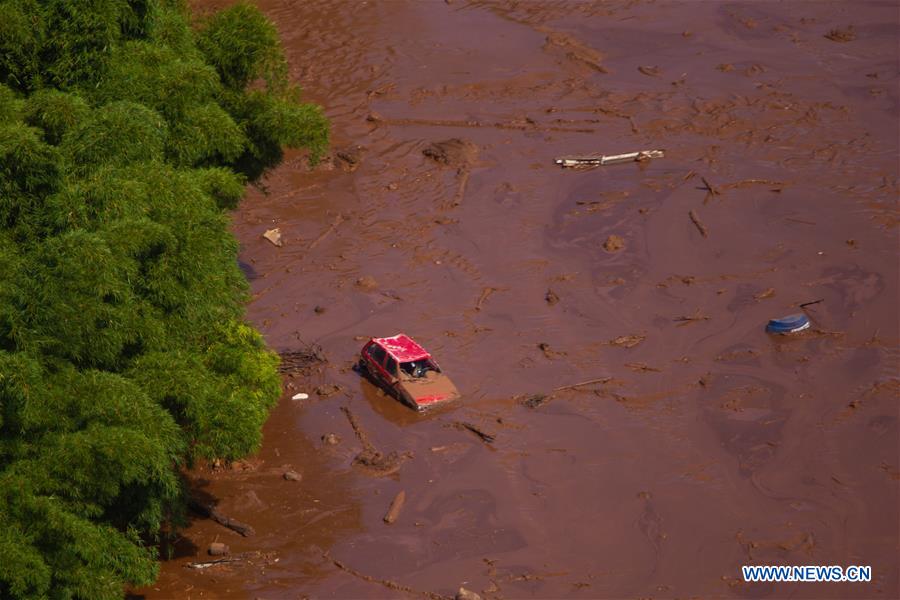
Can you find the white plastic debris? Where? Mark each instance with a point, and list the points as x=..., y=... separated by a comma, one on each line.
x=300, y=396
x=594, y=160
x=274, y=236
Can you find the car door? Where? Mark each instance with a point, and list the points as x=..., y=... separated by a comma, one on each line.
x=391, y=370
x=375, y=356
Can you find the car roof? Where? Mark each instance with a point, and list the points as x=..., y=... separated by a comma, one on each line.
x=402, y=347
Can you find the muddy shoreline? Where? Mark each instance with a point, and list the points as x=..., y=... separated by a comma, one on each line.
x=704, y=443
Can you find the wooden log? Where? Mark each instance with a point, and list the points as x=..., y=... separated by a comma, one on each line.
x=395, y=508
x=210, y=511
x=699, y=224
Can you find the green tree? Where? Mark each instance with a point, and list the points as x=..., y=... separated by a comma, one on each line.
x=125, y=135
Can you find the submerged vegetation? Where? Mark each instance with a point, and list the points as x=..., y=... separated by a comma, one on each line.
x=126, y=132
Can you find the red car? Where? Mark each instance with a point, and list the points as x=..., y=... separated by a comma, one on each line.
x=406, y=370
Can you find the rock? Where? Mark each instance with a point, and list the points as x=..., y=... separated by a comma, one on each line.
x=217, y=549
x=319, y=309
x=274, y=236
x=367, y=283
x=331, y=439
x=551, y=297
x=464, y=594
x=614, y=243
x=292, y=476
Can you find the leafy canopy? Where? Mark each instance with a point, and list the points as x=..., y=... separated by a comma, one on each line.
x=125, y=135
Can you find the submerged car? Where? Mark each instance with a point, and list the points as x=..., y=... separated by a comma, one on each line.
x=407, y=371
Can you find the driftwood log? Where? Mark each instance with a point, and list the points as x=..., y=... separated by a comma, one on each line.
x=210, y=511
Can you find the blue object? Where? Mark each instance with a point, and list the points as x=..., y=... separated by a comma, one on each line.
x=788, y=324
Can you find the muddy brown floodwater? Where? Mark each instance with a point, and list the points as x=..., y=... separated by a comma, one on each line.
x=705, y=443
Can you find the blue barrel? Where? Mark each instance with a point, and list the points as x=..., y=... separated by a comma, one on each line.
x=788, y=324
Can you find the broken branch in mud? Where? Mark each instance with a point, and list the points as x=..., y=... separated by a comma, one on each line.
x=697, y=316
x=337, y=221
x=213, y=563
x=487, y=438
x=805, y=304
x=710, y=190
x=357, y=429
x=746, y=182
x=300, y=360
x=583, y=383
x=699, y=224
x=268, y=558
x=396, y=506
x=371, y=459
x=210, y=511
x=392, y=585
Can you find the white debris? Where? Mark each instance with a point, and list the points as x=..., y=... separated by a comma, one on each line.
x=274, y=236
x=594, y=160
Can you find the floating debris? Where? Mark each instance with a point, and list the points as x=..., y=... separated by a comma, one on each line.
x=485, y=437
x=274, y=236
x=788, y=324
x=396, y=506
x=698, y=223
x=595, y=160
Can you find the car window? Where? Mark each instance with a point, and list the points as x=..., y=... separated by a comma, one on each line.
x=391, y=366
x=377, y=353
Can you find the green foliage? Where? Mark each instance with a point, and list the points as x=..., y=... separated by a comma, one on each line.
x=124, y=136
x=21, y=40
x=10, y=105
x=29, y=170
x=226, y=186
x=118, y=133
x=206, y=134
x=243, y=46
x=80, y=35
x=221, y=397
x=272, y=121
x=55, y=112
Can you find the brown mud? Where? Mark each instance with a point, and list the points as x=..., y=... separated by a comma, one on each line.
x=700, y=443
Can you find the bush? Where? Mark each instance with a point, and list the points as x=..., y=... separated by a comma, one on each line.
x=124, y=136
